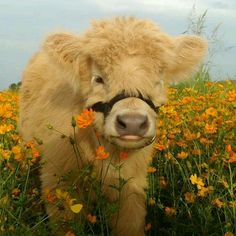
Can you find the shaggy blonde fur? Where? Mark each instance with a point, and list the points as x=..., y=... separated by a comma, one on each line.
x=130, y=55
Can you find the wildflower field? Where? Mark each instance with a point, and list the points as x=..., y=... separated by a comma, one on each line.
x=192, y=177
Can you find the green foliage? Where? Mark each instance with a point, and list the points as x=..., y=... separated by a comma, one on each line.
x=196, y=139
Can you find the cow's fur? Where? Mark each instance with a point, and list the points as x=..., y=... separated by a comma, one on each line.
x=131, y=55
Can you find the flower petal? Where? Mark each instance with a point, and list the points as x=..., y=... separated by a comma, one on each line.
x=76, y=208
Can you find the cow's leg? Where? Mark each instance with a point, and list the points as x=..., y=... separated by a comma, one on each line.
x=130, y=220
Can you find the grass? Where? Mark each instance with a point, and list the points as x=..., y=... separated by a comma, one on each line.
x=192, y=177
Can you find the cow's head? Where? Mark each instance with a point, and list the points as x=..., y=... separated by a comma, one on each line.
x=121, y=68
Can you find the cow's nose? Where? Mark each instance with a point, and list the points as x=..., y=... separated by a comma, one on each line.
x=132, y=124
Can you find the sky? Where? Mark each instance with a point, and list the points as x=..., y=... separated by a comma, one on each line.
x=24, y=24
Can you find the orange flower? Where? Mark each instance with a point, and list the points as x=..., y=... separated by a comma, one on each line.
x=6, y=128
x=211, y=112
x=218, y=203
x=35, y=153
x=181, y=143
x=189, y=197
x=196, y=152
x=205, y=141
x=17, y=152
x=204, y=191
x=169, y=211
x=232, y=154
x=187, y=100
x=232, y=158
x=69, y=233
x=148, y=226
x=191, y=136
x=163, y=182
x=151, y=169
x=210, y=128
x=231, y=96
x=85, y=119
x=159, y=147
x=91, y=218
x=124, y=155
x=49, y=196
x=101, y=154
x=15, y=192
x=182, y=155
x=228, y=234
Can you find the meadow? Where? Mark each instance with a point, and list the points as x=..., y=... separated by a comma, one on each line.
x=192, y=176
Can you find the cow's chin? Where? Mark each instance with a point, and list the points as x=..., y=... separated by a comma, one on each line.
x=130, y=141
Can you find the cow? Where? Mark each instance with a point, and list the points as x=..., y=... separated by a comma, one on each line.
x=121, y=69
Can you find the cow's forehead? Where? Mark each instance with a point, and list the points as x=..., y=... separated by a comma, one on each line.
x=128, y=66
x=111, y=42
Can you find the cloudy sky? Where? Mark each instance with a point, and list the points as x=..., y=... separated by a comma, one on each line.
x=24, y=24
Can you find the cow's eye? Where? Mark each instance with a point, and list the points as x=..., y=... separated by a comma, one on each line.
x=97, y=79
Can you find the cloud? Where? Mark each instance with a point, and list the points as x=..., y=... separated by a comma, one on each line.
x=24, y=24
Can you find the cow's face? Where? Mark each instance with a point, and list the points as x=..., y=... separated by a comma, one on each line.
x=126, y=100
x=120, y=68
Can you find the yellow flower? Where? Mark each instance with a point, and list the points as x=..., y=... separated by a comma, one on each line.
x=189, y=197
x=76, y=208
x=232, y=204
x=4, y=200
x=60, y=194
x=196, y=181
x=152, y=201
x=168, y=155
x=85, y=119
x=101, y=154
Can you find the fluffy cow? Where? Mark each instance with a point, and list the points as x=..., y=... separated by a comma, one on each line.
x=120, y=67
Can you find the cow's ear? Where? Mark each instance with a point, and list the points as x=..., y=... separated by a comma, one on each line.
x=63, y=47
x=189, y=52
x=66, y=50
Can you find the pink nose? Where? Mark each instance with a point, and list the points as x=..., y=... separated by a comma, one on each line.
x=131, y=124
